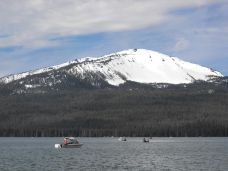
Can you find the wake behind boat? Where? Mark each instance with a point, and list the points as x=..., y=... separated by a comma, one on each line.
x=69, y=142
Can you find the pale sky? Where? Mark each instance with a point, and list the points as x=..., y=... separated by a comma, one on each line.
x=39, y=33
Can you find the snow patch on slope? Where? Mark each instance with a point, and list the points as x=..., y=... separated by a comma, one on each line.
x=137, y=65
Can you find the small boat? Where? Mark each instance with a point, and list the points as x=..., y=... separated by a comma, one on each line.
x=68, y=145
x=146, y=140
x=69, y=142
x=122, y=139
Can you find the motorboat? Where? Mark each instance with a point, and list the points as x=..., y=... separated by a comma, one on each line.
x=69, y=142
x=146, y=140
x=122, y=139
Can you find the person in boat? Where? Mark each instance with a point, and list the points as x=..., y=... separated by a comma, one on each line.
x=145, y=140
x=65, y=141
x=70, y=140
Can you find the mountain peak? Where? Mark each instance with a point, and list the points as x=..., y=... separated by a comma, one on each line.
x=138, y=65
x=139, y=52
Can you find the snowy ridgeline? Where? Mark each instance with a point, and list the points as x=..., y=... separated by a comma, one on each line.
x=138, y=65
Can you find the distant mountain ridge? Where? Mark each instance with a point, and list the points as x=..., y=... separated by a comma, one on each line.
x=137, y=65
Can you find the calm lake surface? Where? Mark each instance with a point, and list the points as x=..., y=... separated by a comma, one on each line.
x=110, y=154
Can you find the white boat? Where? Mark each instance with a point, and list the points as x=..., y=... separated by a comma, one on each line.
x=122, y=139
x=69, y=142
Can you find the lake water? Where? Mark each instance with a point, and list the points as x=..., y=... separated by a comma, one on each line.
x=184, y=154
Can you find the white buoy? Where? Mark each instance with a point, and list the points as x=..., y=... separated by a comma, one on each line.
x=57, y=146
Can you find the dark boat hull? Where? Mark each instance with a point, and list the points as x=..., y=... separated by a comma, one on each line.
x=71, y=145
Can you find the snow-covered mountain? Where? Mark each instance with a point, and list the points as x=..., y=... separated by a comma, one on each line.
x=138, y=65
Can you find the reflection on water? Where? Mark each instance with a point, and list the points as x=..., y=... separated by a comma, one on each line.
x=110, y=154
